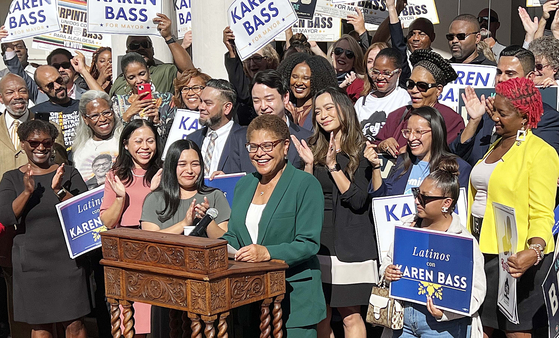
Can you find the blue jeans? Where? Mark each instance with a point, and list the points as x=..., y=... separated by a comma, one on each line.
x=418, y=322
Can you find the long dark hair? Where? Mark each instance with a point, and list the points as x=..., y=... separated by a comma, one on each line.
x=169, y=185
x=439, y=146
x=125, y=163
x=352, y=139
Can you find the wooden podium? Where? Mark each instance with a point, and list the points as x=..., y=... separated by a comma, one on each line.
x=189, y=274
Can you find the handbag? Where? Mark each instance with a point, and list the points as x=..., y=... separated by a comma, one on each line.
x=383, y=310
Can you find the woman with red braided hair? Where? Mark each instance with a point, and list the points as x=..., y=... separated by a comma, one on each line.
x=520, y=170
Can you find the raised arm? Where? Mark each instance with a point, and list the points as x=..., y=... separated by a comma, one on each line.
x=181, y=58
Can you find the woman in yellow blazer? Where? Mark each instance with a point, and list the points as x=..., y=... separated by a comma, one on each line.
x=520, y=170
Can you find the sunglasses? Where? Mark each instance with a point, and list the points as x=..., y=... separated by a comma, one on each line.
x=459, y=36
x=65, y=65
x=423, y=199
x=540, y=67
x=50, y=85
x=421, y=86
x=46, y=143
x=348, y=53
x=485, y=18
x=265, y=146
x=135, y=45
x=195, y=89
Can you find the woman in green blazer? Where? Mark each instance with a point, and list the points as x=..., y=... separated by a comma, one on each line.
x=277, y=213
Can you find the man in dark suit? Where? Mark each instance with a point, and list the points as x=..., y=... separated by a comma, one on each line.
x=216, y=115
x=475, y=139
x=269, y=96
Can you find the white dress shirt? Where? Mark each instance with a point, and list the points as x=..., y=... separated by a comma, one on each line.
x=222, y=135
x=10, y=121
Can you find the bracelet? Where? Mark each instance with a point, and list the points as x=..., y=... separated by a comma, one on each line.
x=538, y=249
x=377, y=167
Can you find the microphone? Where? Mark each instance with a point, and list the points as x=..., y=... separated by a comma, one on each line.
x=200, y=229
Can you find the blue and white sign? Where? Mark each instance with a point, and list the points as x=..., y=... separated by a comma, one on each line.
x=184, y=16
x=81, y=223
x=225, y=183
x=184, y=124
x=419, y=9
x=31, y=18
x=132, y=17
x=550, y=293
x=257, y=22
x=477, y=76
x=435, y=264
x=555, y=229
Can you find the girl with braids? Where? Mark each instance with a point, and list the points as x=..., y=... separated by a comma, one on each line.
x=429, y=76
x=520, y=170
x=435, y=199
x=347, y=255
x=182, y=195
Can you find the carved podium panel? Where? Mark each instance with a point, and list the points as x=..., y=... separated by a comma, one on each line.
x=189, y=274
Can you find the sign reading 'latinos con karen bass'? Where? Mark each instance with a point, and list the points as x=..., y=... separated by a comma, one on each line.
x=30, y=18
x=435, y=264
x=125, y=17
x=257, y=22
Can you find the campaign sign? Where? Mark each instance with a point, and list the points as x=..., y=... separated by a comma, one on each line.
x=184, y=16
x=319, y=28
x=73, y=32
x=535, y=3
x=81, y=223
x=30, y=18
x=435, y=264
x=304, y=8
x=419, y=9
x=374, y=11
x=550, y=288
x=468, y=75
x=555, y=228
x=256, y=23
x=132, y=17
x=185, y=123
x=225, y=183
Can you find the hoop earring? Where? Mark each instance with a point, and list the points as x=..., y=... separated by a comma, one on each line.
x=520, y=135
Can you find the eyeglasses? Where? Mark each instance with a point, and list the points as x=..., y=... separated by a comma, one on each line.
x=135, y=45
x=348, y=53
x=377, y=73
x=46, y=143
x=50, y=85
x=540, y=67
x=65, y=65
x=485, y=18
x=95, y=117
x=424, y=199
x=195, y=89
x=459, y=36
x=265, y=146
x=256, y=59
x=421, y=86
x=416, y=133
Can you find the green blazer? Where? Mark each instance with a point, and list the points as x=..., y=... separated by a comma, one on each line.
x=290, y=229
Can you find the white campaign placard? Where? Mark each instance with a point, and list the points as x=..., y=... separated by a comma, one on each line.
x=184, y=17
x=131, y=17
x=507, y=239
x=185, y=123
x=374, y=11
x=256, y=23
x=73, y=32
x=477, y=76
x=320, y=28
x=535, y=3
x=419, y=9
x=388, y=212
x=30, y=18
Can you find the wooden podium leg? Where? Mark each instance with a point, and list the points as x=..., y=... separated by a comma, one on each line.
x=174, y=323
x=265, y=318
x=196, y=326
x=277, y=314
x=222, y=326
x=209, y=330
x=128, y=313
x=115, y=317
x=186, y=330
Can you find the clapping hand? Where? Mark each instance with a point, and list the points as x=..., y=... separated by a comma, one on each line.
x=116, y=185
x=57, y=178
x=304, y=151
x=530, y=26
x=474, y=106
x=200, y=209
x=29, y=180
x=155, y=180
x=332, y=151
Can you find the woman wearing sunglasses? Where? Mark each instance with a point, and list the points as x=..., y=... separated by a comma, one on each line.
x=520, y=170
x=348, y=255
x=546, y=52
x=158, y=109
x=49, y=286
x=435, y=200
x=381, y=92
x=347, y=60
x=188, y=86
x=431, y=72
x=426, y=148
x=278, y=215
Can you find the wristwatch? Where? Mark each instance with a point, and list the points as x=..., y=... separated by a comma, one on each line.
x=61, y=193
x=337, y=167
x=171, y=40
